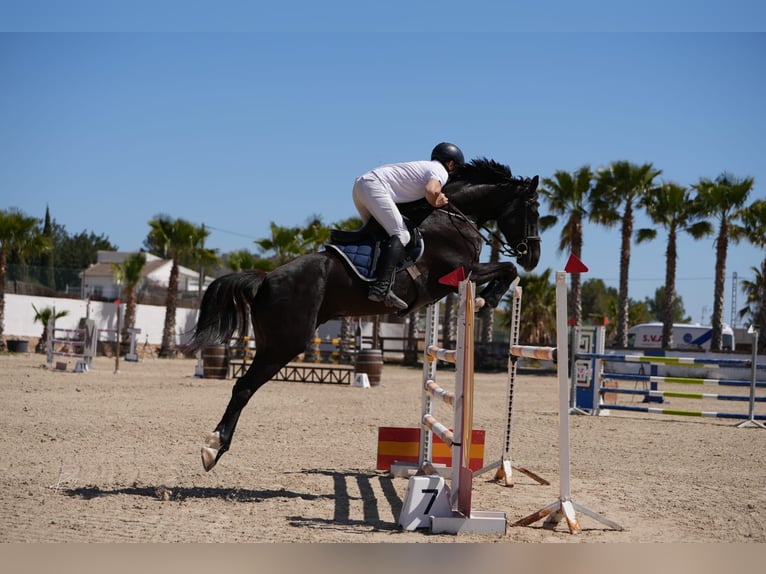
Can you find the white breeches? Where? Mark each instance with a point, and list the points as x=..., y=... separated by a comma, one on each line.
x=373, y=198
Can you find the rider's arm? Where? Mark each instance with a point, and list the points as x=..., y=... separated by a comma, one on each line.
x=434, y=193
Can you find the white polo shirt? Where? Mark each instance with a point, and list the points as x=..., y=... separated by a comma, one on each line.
x=408, y=180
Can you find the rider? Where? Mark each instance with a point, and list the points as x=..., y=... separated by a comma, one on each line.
x=376, y=194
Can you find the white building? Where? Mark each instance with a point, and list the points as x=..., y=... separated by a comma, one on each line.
x=98, y=279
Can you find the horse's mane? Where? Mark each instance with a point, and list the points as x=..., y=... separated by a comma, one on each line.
x=482, y=171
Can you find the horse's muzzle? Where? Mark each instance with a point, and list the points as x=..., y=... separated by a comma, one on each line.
x=529, y=254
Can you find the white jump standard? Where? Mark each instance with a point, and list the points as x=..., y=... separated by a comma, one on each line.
x=564, y=507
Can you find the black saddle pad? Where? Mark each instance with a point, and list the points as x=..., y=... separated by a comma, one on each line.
x=360, y=249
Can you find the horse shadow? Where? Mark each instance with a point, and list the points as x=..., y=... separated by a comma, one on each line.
x=371, y=515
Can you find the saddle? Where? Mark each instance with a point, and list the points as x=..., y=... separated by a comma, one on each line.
x=360, y=250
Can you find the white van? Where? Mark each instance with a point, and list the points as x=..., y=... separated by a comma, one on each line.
x=685, y=336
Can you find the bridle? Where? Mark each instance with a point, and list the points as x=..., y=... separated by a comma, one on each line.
x=494, y=237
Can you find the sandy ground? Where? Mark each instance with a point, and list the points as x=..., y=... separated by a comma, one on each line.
x=105, y=457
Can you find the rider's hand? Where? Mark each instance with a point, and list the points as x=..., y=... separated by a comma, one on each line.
x=441, y=200
x=434, y=194
x=437, y=199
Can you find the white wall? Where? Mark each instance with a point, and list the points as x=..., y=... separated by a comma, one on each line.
x=19, y=317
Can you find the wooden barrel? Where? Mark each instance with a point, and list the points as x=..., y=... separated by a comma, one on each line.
x=370, y=361
x=17, y=345
x=215, y=362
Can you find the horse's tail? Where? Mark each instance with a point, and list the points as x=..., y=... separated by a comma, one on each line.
x=225, y=308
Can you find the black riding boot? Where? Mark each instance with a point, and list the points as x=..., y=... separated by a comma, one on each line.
x=381, y=290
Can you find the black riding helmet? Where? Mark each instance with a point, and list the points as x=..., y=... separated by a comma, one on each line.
x=446, y=152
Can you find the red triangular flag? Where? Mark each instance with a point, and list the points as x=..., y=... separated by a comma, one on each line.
x=574, y=265
x=453, y=278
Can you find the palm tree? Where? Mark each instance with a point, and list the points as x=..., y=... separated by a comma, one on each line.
x=486, y=314
x=617, y=190
x=314, y=235
x=568, y=195
x=755, y=303
x=753, y=229
x=176, y=239
x=242, y=259
x=284, y=242
x=19, y=235
x=538, y=309
x=128, y=274
x=287, y=243
x=723, y=199
x=44, y=316
x=670, y=206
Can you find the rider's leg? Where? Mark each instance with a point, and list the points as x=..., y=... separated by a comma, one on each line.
x=382, y=289
x=374, y=197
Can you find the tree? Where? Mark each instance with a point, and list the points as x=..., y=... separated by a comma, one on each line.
x=753, y=229
x=314, y=235
x=128, y=274
x=287, y=243
x=73, y=253
x=568, y=197
x=47, y=274
x=20, y=236
x=670, y=206
x=615, y=194
x=538, y=309
x=176, y=239
x=486, y=314
x=242, y=259
x=44, y=316
x=755, y=303
x=598, y=300
x=658, y=307
x=722, y=199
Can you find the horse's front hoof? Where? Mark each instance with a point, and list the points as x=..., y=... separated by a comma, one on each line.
x=210, y=451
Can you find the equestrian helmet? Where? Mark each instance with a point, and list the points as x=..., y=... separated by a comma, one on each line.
x=446, y=152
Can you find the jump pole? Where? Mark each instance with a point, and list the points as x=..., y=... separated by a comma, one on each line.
x=564, y=507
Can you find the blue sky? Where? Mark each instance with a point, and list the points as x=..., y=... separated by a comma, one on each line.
x=271, y=119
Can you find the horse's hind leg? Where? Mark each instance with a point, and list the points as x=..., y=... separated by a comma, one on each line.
x=261, y=370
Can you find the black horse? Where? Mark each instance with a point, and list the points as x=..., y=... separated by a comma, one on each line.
x=287, y=304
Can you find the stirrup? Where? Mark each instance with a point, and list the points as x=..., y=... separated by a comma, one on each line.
x=392, y=300
x=381, y=292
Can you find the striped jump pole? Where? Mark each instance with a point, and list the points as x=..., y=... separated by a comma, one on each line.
x=564, y=507
x=600, y=376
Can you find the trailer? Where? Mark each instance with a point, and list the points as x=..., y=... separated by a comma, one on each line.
x=691, y=336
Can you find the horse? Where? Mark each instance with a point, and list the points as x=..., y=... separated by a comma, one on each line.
x=287, y=304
